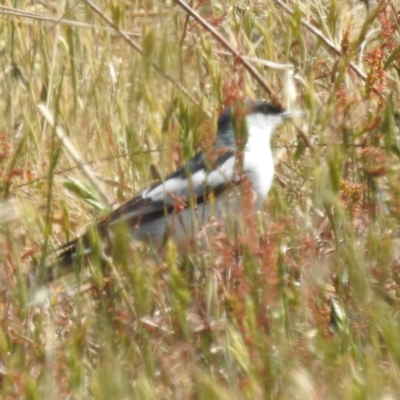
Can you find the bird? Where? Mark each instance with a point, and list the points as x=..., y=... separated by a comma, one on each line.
x=206, y=186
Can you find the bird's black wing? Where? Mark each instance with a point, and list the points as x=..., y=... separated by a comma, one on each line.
x=195, y=181
x=190, y=182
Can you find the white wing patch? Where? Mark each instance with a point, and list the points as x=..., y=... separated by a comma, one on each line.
x=223, y=174
x=173, y=185
x=183, y=186
x=176, y=187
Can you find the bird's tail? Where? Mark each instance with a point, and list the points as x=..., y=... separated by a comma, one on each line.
x=73, y=254
x=63, y=261
x=66, y=256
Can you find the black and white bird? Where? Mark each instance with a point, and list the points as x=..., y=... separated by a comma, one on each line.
x=178, y=207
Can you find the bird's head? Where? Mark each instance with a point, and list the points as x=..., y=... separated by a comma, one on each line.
x=261, y=120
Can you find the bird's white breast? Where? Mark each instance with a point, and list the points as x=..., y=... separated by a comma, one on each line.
x=258, y=160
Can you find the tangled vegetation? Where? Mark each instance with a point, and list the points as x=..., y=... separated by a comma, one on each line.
x=303, y=304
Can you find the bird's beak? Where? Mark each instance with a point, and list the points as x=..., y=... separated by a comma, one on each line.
x=293, y=114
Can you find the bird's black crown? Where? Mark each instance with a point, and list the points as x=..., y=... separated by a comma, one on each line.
x=250, y=106
x=263, y=107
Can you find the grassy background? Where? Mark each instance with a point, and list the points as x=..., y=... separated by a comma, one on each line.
x=311, y=309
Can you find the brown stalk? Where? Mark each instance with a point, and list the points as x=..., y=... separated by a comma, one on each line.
x=140, y=51
x=323, y=39
x=79, y=24
x=209, y=28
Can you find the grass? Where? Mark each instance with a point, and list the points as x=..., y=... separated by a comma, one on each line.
x=310, y=309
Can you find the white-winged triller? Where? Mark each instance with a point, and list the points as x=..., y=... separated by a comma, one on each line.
x=207, y=186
